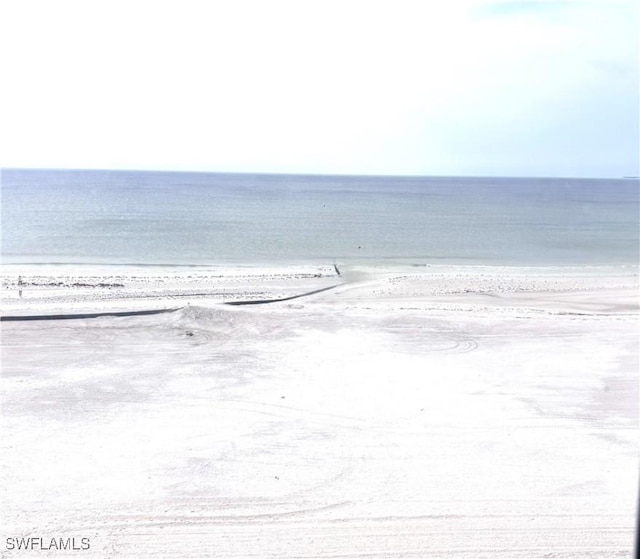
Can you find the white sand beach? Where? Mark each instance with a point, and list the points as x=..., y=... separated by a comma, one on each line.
x=408, y=412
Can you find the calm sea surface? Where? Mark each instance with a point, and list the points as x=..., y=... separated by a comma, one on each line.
x=202, y=218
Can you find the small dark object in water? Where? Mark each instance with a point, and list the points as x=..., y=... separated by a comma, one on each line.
x=189, y=333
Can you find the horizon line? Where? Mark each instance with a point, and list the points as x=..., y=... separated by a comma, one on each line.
x=312, y=174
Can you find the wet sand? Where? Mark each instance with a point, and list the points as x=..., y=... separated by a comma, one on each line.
x=410, y=412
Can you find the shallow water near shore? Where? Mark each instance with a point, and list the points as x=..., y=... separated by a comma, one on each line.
x=204, y=218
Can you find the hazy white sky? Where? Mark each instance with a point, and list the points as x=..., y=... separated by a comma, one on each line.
x=457, y=87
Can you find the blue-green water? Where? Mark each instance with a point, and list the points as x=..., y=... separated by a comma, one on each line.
x=201, y=218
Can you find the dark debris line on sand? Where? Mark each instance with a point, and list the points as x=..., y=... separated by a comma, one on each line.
x=265, y=301
x=153, y=311
x=84, y=315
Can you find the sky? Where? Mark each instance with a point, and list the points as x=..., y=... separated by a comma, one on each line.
x=391, y=87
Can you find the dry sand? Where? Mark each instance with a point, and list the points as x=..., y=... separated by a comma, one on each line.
x=409, y=412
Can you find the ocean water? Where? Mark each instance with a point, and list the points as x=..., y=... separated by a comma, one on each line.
x=114, y=217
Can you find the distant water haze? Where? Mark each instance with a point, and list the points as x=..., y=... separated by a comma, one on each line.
x=115, y=217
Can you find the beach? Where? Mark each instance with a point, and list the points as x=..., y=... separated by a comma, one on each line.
x=366, y=411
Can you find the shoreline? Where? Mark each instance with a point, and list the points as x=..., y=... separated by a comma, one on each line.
x=68, y=289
